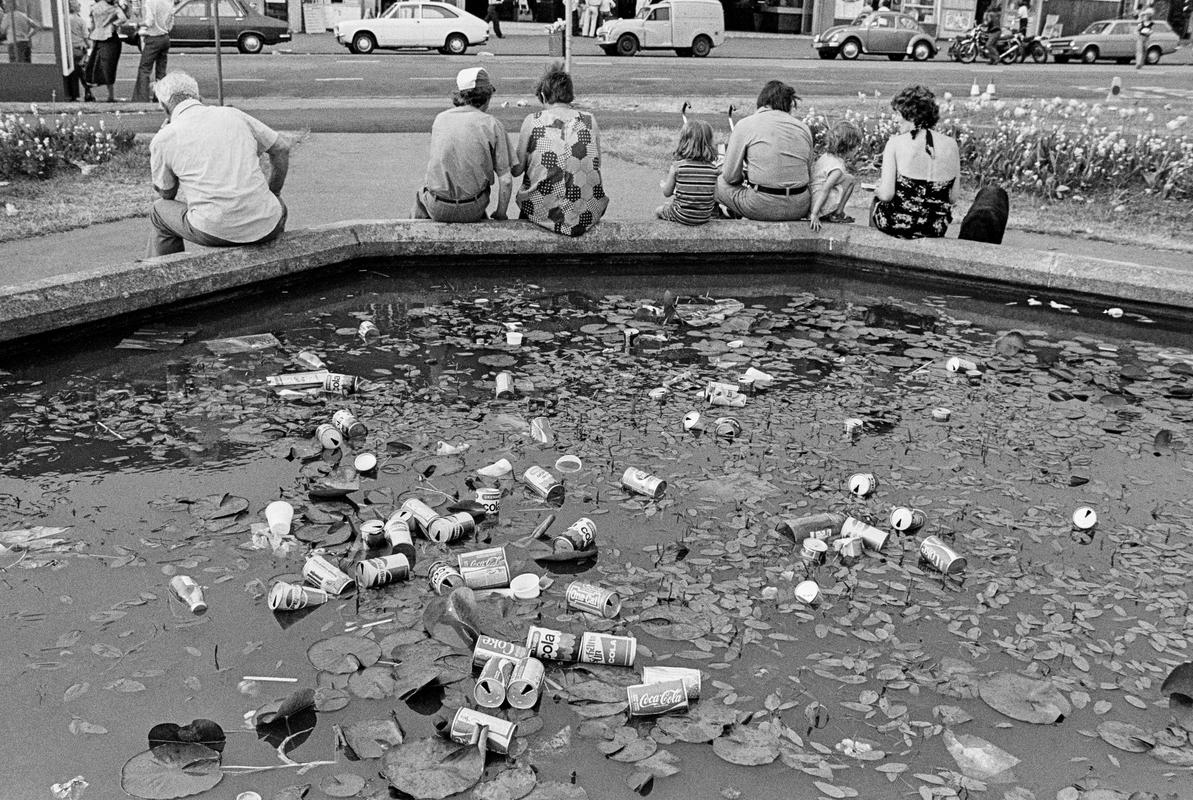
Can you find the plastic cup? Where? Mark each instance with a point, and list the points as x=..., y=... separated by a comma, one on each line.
x=569, y=463
x=279, y=514
x=365, y=462
x=525, y=586
x=513, y=338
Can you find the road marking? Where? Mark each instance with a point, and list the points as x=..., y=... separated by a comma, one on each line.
x=358, y=61
x=244, y=80
x=338, y=79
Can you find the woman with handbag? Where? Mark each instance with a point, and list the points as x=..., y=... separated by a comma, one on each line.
x=106, y=18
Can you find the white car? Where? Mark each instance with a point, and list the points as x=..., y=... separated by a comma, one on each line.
x=438, y=26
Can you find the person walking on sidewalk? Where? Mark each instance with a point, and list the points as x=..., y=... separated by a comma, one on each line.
x=491, y=17
x=157, y=18
x=20, y=27
x=1144, y=16
x=211, y=154
x=469, y=147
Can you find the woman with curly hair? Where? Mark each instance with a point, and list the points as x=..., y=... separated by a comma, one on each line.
x=921, y=170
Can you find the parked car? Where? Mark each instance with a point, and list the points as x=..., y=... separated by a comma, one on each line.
x=1114, y=39
x=884, y=33
x=437, y=26
x=689, y=27
x=240, y=25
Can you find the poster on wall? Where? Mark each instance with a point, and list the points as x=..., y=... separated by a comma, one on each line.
x=956, y=20
x=848, y=9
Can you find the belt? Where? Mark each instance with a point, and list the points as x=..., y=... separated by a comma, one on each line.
x=786, y=191
x=463, y=202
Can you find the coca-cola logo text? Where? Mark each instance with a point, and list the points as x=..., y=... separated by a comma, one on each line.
x=667, y=698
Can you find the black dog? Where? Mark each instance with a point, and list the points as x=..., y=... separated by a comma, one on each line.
x=987, y=217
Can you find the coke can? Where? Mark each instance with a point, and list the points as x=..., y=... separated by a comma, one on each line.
x=593, y=599
x=862, y=484
x=642, y=482
x=581, y=535
x=348, y=424
x=467, y=724
x=489, y=500
x=813, y=550
x=872, y=537
x=397, y=533
x=327, y=576
x=551, y=645
x=336, y=383
x=941, y=556
x=443, y=577
x=451, y=528
x=285, y=596
x=485, y=569
x=907, y=519
x=605, y=648
x=489, y=647
x=489, y=691
x=505, y=385
x=652, y=699
x=689, y=676
x=525, y=684
x=372, y=533
x=543, y=484
x=329, y=437
x=814, y=526
x=380, y=571
x=422, y=514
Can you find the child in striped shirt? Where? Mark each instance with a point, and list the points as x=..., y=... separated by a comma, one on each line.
x=691, y=183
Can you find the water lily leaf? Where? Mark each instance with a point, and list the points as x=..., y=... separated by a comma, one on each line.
x=674, y=624
x=295, y=792
x=372, y=738
x=1124, y=736
x=373, y=683
x=1179, y=681
x=686, y=729
x=1025, y=699
x=662, y=764
x=513, y=784
x=1177, y=756
x=1010, y=343
x=176, y=769
x=635, y=751
x=343, y=785
x=40, y=537
x=558, y=791
x=280, y=710
x=433, y=768
x=217, y=506
x=343, y=654
x=198, y=731
x=327, y=699
x=595, y=691
x=747, y=746
x=980, y=759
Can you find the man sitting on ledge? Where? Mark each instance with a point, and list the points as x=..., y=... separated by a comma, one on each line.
x=212, y=155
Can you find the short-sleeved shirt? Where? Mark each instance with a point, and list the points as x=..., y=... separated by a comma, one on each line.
x=468, y=147
x=825, y=165
x=212, y=153
x=21, y=24
x=769, y=148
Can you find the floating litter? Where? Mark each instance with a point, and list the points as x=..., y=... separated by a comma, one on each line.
x=569, y=463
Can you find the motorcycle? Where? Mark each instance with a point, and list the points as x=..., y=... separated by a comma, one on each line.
x=1012, y=49
x=965, y=48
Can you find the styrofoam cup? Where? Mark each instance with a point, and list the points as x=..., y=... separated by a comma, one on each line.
x=513, y=338
x=525, y=586
x=279, y=514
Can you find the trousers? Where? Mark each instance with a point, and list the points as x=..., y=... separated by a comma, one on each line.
x=171, y=228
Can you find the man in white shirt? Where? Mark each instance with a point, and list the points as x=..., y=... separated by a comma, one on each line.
x=157, y=18
x=212, y=155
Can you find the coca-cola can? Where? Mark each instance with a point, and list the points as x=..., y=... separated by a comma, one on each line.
x=451, y=528
x=551, y=645
x=605, y=648
x=814, y=526
x=581, y=535
x=907, y=519
x=285, y=596
x=337, y=383
x=348, y=424
x=379, y=571
x=443, y=577
x=642, y=482
x=593, y=599
x=863, y=484
x=690, y=677
x=505, y=385
x=485, y=569
x=467, y=724
x=525, y=684
x=372, y=533
x=941, y=556
x=327, y=576
x=874, y=538
x=329, y=437
x=489, y=691
x=813, y=550
x=652, y=699
x=397, y=533
x=543, y=484
x=490, y=500
x=421, y=514
x=488, y=647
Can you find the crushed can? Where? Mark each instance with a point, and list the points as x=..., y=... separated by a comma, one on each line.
x=285, y=596
x=505, y=386
x=907, y=520
x=551, y=645
x=726, y=427
x=188, y=591
x=336, y=383
x=540, y=431
x=372, y=533
x=325, y=575
x=724, y=394
x=489, y=691
x=443, y=577
x=593, y=599
x=605, y=648
x=579, y=537
x=489, y=647
x=467, y=724
x=525, y=684
x=379, y=571
x=653, y=699
x=853, y=429
x=452, y=528
x=823, y=526
x=873, y=538
x=689, y=676
x=421, y=514
x=348, y=424
x=640, y=481
x=485, y=569
x=862, y=484
x=543, y=483
x=397, y=533
x=329, y=437
x=944, y=558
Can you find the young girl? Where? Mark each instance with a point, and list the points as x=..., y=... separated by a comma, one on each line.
x=692, y=180
x=832, y=184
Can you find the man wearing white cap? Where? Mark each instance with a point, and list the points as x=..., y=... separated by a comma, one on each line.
x=469, y=149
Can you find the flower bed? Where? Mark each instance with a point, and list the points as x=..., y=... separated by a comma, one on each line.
x=36, y=147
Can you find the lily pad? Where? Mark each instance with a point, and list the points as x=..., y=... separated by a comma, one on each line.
x=433, y=768
x=279, y=710
x=980, y=759
x=343, y=785
x=749, y=747
x=373, y=683
x=198, y=731
x=372, y=738
x=1025, y=699
x=176, y=769
x=513, y=784
x=217, y=506
x=1124, y=736
x=558, y=791
x=344, y=654
x=565, y=556
x=674, y=624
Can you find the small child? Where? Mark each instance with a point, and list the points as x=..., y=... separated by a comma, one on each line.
x=692, y=180
x=832, y=185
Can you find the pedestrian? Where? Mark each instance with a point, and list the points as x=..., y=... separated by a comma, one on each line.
x=469, y=149
x=832, y=184
x=993, y=24
x=1145, y=14
x=157, y=19
x=106, y=18
x=766, y=171
x=20, y=27
x=78, y=50
x=212, y=155
x=692, y=180
x=592, y=11
x=1023, y=13
x=606, y=11
x=492, y=17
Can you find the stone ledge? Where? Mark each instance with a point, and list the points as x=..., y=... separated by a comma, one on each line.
x=74, y=299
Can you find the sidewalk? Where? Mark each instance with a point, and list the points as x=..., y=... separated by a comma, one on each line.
x=323, y=187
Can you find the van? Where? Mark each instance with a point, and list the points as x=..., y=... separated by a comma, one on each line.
x=689, y=27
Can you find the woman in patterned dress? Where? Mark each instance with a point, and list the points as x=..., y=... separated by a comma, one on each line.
x=559, y=158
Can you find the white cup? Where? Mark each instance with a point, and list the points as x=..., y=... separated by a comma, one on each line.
x=279, y=515
x=513, y=338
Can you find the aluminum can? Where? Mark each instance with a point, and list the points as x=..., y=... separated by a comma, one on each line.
x=862, y=484
x=813, y=550
x=630, y=335
x=652, y=699
x=642, y=482
x=851, y=547
x=451, y=528
x=372, y=533
x=808, y=592
x=485, y=569
x=188, y=591
x=540, y=430
x=907, y=519
x=853, y=428
x=466, y=728
x=724, y=394
x=488, y=647
x=581, y=535
x=823, y=526
x=726, y=427
x=443, y=577
x=348, y=424
x=941, y=556
x=490, y=500
x=327, y=576
x=551, y=645
x=525, y=684
x=367, y=329
x=873, y=538
x=593, y=599
x=297, y=380
x=380, y=571
x=543, y=484
x=329, y=437
x=692, y=421
x=421, y=514
x=957, y=364
x=489, y=691
x=336, y=383
x=604, y=648
x=505, y=385
x=397, y=533
x=689, y=676
x=285, y=596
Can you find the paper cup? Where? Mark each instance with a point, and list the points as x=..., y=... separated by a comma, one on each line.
x=513, y=338
x=525, y=586
x=807, y=592
x=279, y=514
x=365, y=462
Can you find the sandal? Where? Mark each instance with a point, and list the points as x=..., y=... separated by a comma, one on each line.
x=838, y=218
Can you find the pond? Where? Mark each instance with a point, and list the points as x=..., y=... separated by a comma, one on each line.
x=123, y=468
